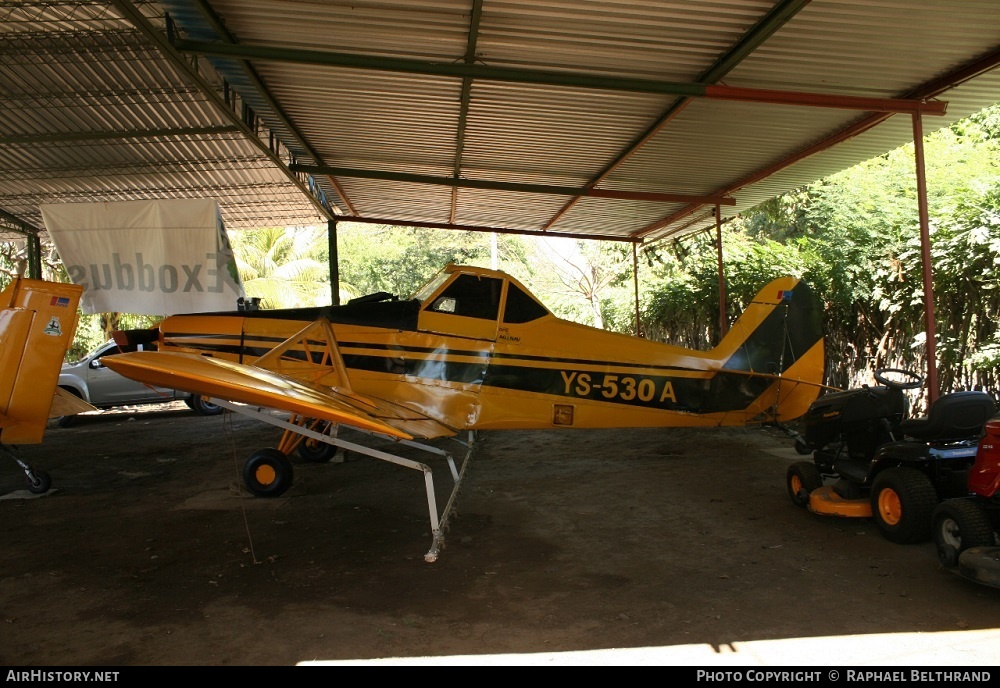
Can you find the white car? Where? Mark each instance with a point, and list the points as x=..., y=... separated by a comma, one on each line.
x=99, y=386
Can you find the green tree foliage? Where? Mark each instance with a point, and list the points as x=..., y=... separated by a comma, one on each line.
x=94, y=329
x=13, y=262
x=399, y=260
x=865, y=225
x=680, y=294
x=583, y=281
x=855, y=237
x=284, y=267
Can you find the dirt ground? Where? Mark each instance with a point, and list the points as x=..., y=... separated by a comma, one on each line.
x=148, y=552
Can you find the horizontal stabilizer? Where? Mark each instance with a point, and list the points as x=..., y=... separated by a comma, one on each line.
x=68, y=404
x=246, y=384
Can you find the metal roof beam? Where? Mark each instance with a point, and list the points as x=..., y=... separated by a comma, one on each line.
x=78, y=136
x=33, y=244
x=124, y=169
x=463, y=115
x=513, y=186
x=478, y=228
x=219, y=27
x=930, y=89
x=13, y=222
x=42, y=99
x=191, y=72
x=751, y=40
x=569, y=79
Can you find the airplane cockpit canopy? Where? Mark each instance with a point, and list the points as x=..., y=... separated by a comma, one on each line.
x=478, y=294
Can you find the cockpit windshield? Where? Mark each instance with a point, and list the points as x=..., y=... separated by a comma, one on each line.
x=426, y=291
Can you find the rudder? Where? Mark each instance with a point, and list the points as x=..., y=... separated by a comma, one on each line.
x=780, y=334
x=37, y=323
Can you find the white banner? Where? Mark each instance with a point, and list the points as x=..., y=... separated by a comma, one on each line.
x=156, y=257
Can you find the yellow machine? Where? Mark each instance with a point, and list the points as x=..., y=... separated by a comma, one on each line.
x=474, y=350
x=37, y=324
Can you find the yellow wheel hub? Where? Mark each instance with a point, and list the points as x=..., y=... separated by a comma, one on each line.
x=890, y=507
x=265, y=475
x=797, y=484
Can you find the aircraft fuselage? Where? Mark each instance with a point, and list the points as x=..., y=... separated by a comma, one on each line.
x=475, y=350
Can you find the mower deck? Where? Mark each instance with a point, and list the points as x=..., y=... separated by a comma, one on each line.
x=825, y=501
x=980, y=564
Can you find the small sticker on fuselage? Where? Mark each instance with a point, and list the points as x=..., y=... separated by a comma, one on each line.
x=53, y=328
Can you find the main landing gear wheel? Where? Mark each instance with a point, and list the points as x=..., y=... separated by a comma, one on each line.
x=267, y=473
x=197, y=403
x=897, y=378
x=314, y=451
x=801, y=479
x=903, y=501
x=958, y=525
x=38, y=481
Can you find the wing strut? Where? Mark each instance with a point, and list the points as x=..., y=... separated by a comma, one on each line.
x=322, y=362
x=438, y=520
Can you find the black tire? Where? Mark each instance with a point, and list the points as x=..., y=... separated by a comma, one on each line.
x=801, y=479
x=903, y=501
x=314, y=451
x=39, y=481
x=958, y=525
x=267, y=473
x=198, y=404
x=801, y=447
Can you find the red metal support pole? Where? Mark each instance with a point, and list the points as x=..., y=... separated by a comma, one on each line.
x=723, y=323
x=331, y=237
x=925, y=252
x=635, y=281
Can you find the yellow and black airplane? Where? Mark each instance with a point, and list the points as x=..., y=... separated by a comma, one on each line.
x=473, y=350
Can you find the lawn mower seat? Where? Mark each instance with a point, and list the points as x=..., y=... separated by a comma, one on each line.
x=953, y=416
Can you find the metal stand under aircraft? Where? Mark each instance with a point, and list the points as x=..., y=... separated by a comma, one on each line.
x=272, y=462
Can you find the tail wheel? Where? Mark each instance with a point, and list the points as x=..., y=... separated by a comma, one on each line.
x=801, y=479
x=958, y=525
x=267, y=473
x=39, y=481
x=903, y=501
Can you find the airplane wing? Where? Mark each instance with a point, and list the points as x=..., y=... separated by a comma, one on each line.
x=250, y=384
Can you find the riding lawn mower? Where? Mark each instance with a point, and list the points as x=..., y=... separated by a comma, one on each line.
x=966, y=529
x=871, y=460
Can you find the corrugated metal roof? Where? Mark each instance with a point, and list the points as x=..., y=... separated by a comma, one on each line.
x=91, y=110
x=371, y=113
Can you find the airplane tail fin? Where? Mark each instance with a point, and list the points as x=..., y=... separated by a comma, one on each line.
x=37, y=324
x=776, y=349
